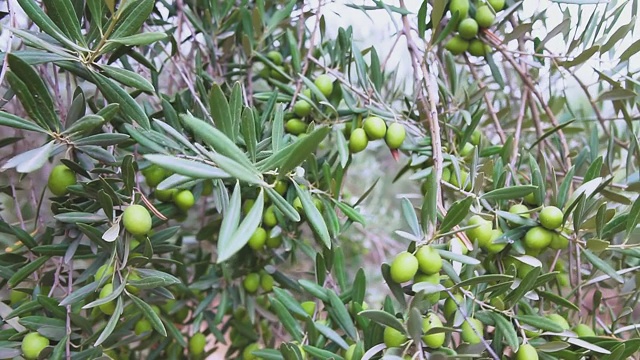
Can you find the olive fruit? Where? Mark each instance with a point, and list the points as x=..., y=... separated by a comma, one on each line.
x=468, y=333
x=104, y=270
x=165, y=195
x=457, y=45
x=393, y=337
x=33, y=344
x=266, y=282
x=497, y=5
x=432, y=340
x=479, y=49
x=349, y=353
x=142, y=326
x=277, y=75
x=482, y=232
x=460, y=6
x=251, y=282
x=559, y=242
x=274, y=242
x=295, y=126
x=258, y=239
x=467, y=150
x=275, y=57
x=485, y=16
x=153, y=175
x=302, y=108
x=538, y=238
x=269, y=217
x=551, y=217
x=309, y=307
x=450, y=306
x=395, y=135
x=136, y=219
x=109, y=307
x=404, y=267
x=476, y=135
x=428, y=278
x=463, y=181
x=493, y=247
x=468, y=28
x=429, y=260
x=16, y=296
x=526, y=352
x=559, y=320
x=324, y=83
x=521, y=210
x=197, y=343
x=61, y=177
x=280, y=187
x=247, y=353
x=375, y=127
x=358, y=140
x=583, y=330
x=184, y=200
x=530, y=199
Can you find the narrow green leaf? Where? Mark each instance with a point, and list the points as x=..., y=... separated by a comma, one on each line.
x=16, y=122
x=140, y=39
x=37, y=91
x=603, y=266
x=508, y=330
x=27, y=270
x=383, y=318
x=540, y=322
x=229, y=246
x=285, y=318
x=341, y=315
x=132, y=17
x=512, y=192
x=116, y=94
x=63, y=15
x=114, y=319
x=217, y=140
x=248, y=128
x=236, y=170
x=457, y=212
x=314, y=216
x=151, y=315
x=128, y=78
x=410, y=217
x=31, y=160
x=44, y=22
x=282, y=205
x=220, y=111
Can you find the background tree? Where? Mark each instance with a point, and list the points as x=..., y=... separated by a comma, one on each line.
x=200, y=196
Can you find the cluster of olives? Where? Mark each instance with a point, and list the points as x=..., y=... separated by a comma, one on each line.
x=468, y=27
x=374, y=128
x=302, y=108
x=535, y=241
x=182, y=198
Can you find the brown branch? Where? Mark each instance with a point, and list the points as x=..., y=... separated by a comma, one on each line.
x=529, y=83
x=426, y=108
x=487, y=100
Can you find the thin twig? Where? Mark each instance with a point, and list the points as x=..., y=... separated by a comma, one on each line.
x=487, y=100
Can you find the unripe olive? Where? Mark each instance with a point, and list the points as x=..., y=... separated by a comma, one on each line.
x=432, y=340
x=302, y=108
x=324, y=83
x=468, y=333
x=393, y=337
x=460, y=6
x=375, y=127
x=358, y=140
x=538, y=238
x=551, y=217
x=468, y=28
x=429, y=260
x=295, y=126
x=395, y=135
x=457, y=45
x=497, y=5
x=526, y=351
x=275, y=57
x=404, y=267
x=485, y=16
x=61, y=177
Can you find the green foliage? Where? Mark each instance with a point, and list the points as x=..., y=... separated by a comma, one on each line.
x=254, y=129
